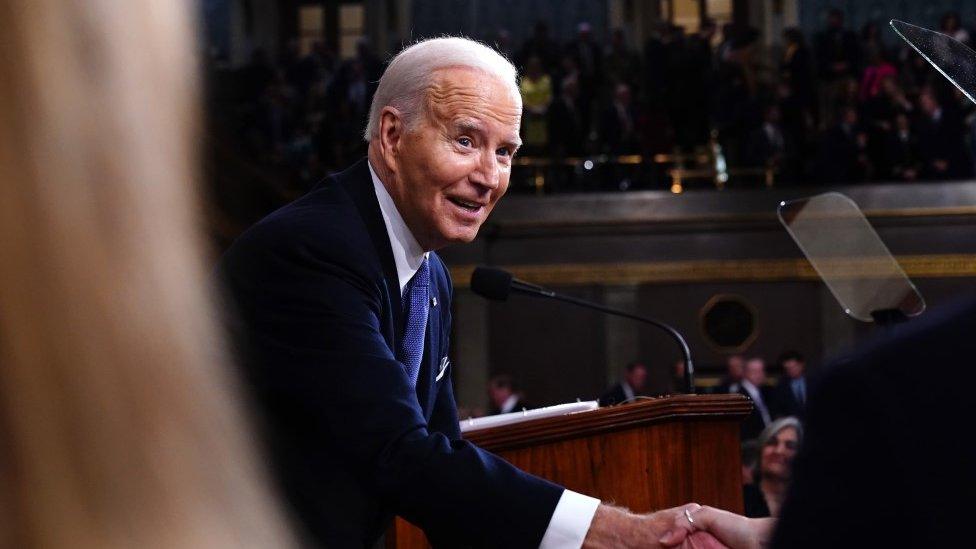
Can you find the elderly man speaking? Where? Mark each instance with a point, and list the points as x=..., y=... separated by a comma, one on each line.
x=345, y=312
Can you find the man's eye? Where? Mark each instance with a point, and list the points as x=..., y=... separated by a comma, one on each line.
x=464, y=142
x=503, y=152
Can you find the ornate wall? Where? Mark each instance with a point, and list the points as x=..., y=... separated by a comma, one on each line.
x=667, y=256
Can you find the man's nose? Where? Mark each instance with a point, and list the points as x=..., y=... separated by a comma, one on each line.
x=487, y=173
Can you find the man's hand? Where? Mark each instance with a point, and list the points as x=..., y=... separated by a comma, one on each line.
x=614, y=527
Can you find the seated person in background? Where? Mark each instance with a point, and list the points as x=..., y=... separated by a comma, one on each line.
x=790, y=394
x=753, y=386
x=632, y=385
x=777, y=445
x=503, y=396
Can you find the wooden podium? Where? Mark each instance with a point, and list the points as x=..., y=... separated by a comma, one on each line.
x=652, y=454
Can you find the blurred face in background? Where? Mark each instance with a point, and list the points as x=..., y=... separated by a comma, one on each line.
x=736, y=367
x=776, y=459
x=928, y=103
x=793, y=368
x=637, y=377
x=755, y=371
x=499, y=394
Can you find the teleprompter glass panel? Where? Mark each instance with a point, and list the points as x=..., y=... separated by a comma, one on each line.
x=955, y=60
x=849, y=256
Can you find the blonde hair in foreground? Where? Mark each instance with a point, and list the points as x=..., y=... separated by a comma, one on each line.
x=120, y=425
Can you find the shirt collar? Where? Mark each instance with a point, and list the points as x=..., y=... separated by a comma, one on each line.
x=509, y=404
x=407, y=253
x=751, y=389
x=628, y=390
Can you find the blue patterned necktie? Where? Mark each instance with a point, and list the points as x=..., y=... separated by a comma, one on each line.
x=416, y=306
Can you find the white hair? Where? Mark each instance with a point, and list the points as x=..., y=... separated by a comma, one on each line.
x=410, y=74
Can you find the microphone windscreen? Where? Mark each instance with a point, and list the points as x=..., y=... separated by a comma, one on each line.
x=491, y=283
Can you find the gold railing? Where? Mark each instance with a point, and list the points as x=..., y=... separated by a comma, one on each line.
x=705, y=167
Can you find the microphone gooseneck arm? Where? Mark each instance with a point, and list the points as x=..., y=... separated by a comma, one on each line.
x=538, y=291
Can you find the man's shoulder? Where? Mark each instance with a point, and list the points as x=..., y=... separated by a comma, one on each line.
x=323, y=225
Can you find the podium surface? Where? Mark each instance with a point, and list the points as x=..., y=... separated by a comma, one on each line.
x=651, y=454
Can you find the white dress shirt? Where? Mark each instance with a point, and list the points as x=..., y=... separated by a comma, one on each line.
x=509, y=404
x=757, y=399
x=574, y=512
x=628, y=392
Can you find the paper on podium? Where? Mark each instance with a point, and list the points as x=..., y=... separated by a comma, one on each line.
x=473, y=424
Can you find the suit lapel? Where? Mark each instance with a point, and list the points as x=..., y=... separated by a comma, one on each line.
x=359, y=185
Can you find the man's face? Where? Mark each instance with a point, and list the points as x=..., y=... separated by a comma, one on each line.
x=499, y=394
x=756, y=372
x=637, y=378
x=454, y=165
x=735, y=365
x=793, y=367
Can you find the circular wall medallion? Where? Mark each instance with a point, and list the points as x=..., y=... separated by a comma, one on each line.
x=729, y=323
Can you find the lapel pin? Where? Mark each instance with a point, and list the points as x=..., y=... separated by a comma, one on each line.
x=433, y=301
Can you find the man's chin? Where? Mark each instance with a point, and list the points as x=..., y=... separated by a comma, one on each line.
x=462, y=235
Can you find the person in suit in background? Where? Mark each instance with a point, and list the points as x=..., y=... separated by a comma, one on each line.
x=631, y=386
x=901, y=150
x=122, y=424
x=345, y=312
x=753, y=385
x=940, y=132
x=504, y=397
x=789, y=397
x=734, y=368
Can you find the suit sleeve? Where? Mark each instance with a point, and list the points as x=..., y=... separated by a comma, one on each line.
x=315, y=321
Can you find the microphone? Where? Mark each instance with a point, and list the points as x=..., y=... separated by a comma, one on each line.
x=496, y=285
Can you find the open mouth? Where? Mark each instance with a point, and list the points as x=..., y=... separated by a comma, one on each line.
x=466, y=205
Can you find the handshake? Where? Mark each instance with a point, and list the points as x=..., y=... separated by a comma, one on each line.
x=688, y=526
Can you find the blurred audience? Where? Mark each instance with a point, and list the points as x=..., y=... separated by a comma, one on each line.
x=753, y=385
x=504, y=397
x=536, y=89
x=790, y=394
x=777, y=446
x=632, y=385
x=830, y=114
x=734, y=370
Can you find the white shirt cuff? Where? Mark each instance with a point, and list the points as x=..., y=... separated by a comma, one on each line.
x=570, y=521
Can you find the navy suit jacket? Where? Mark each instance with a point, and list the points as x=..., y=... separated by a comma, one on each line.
x=784, y=400
x=316, y=298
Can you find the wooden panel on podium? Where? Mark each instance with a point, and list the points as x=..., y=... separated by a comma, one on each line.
x=652, y=454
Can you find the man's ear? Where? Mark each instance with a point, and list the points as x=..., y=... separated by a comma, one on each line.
x=391, y=136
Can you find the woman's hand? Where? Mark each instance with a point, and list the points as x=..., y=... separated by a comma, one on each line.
x=735, y=531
